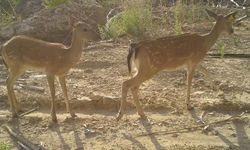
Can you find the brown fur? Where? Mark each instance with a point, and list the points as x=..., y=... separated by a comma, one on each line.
x=23, y=53
x=171, y=53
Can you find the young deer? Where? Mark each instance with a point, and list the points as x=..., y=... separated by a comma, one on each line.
x=23, y=53
x=171, y=53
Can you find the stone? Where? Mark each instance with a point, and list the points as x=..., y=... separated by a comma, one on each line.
x=26, y=8
x=55, y=24
x=7, y=32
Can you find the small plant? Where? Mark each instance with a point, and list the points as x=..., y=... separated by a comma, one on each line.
x=194, y=12
x=236, y=40
x=54, y=3
x=4, y=146
x=177, y=17
x=221, y=50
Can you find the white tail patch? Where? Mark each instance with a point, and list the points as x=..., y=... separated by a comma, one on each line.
x=134, y=65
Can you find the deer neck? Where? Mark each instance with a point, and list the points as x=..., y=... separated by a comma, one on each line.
x=76, y=46
x=213, y=35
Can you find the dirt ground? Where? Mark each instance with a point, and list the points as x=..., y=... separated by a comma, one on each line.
x=94, y=86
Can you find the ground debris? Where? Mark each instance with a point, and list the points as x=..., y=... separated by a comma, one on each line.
x=22, y=141
x=204, y=127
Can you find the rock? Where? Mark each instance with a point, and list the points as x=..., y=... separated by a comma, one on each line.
x=55, y=24
x=88, y=71
x=198, y=93
x=84, y=98
x=24, y=27
x=234, y=135
x=96, y=97
x=26, y=8
x=175, y=135
x=220, y=94
x=7, y=32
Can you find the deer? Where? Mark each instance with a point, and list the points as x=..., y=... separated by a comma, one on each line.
x=186, y=51
x=22, y=53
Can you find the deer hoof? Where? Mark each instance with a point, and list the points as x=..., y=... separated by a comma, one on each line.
x=189, y=107
x=73, y=115
x=54, y=119
x=142, y=115
x=52, y=124
x=119, y=116
x=14, y=115
x=19, y=110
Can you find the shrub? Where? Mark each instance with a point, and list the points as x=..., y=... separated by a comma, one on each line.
x=236, y=40
x=8, y=5
x=134, y=22
x=113, y=28
x=221, y=49
x=7, y=11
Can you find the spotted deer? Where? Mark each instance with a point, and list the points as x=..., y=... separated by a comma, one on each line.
x=22, y=53
x=171, y=53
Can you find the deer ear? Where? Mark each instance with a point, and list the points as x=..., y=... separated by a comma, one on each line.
x=212, y=14
x=231, y=17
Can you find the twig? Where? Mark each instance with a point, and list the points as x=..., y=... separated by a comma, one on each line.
x=102, y=45
x=192, y=129
x=32, y=88
x=13, y=9
x=23, y=146
x=230, y=55
x=23, y=141
x=28, y=112
x=235, y=3
x=202, y=116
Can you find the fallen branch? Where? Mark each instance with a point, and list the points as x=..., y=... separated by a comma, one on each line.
x=32, y=88
x=28, y=112
x=27, y=87
x=23, y=142
x=202, y=116
x=194, y=128
x=230, y=55
x=23, y=146
x=100, y=45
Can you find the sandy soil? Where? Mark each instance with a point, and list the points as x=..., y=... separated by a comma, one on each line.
x=94, y=86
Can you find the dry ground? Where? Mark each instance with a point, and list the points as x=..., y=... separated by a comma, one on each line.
x=94, y=86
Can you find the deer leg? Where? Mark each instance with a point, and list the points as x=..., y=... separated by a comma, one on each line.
x=10, y=84
x=65, y=92
x=125, y=87
x=141, y=76
x=190, y=75
x=51, y=79
x=12, y=77
x=16, y=104
x=135, y=91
